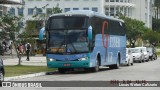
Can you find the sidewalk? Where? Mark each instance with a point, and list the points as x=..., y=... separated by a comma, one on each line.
x=34, y=60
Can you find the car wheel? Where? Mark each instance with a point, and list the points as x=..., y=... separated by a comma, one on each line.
x=132, y=64
x=128, y=63
x=140, y=61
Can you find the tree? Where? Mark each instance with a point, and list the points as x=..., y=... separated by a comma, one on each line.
x=10, y=26
x=152, y=36
x=134, y=29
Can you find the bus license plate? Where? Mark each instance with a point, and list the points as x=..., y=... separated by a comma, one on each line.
x=66, y=65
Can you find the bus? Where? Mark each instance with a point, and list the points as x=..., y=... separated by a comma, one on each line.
x=84, y=39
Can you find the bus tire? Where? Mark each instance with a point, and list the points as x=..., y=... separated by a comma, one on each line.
x=116, y=66
x=62, y=70
x=96, y=69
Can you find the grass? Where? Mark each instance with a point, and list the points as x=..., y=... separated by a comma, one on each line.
x=158, y=54
x=22, y=70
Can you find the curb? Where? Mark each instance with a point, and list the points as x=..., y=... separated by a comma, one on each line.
x=24, y=76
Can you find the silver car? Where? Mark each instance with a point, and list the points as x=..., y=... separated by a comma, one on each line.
x=138, y=55
x=146, y=55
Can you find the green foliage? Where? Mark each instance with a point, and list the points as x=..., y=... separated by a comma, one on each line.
x=152, y=37
x=29, y=32
x=10, y=27
x=134, y=29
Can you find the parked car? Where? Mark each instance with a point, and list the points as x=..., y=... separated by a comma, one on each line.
x=129, y=57
x=2, y=72
x=138, y=55
x=152, y=53
x=146, y=55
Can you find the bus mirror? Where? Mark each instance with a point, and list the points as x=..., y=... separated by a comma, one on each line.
x=90, y=32
x=41, y=33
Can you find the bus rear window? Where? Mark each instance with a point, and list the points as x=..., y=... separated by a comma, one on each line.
x=68, y=22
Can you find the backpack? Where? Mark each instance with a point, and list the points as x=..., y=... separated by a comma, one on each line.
x=28, y=46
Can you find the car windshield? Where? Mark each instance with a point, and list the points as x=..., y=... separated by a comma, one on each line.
x=68, y=41
x=149, y=49
x=126, y=51
x=144, y=50
x=135, y=50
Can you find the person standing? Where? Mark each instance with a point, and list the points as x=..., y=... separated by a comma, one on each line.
x=28, y=49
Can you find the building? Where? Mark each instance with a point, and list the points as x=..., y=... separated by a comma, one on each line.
x=137, y=9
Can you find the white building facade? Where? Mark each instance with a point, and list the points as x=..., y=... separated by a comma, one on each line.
x=137, y=9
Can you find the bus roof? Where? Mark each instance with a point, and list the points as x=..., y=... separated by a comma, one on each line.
x=88, y=13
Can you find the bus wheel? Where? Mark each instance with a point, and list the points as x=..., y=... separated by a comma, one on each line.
x=96, y=69
x=62, y=70
x=115, y=66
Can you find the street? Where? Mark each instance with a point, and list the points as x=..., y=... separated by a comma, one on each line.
x=148, y=71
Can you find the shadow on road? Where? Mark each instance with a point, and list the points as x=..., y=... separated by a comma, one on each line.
x=79, y=71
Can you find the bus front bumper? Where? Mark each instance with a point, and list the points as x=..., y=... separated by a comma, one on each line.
x=68, y=64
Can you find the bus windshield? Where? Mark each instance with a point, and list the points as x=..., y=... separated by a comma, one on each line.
x=68, y=22
x=68, y=41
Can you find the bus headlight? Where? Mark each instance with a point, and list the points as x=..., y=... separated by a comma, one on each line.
x=82, y=59
x=51, y=59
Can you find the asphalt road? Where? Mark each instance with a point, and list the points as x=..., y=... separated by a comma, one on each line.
x=149, y=71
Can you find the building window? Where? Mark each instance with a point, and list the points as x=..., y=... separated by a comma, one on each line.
x=75, y=8
x=111, y=0
x=86, y=8
x=38, y=11
x=111, y=11
x=95, y=9
x=121, y=0
x=117, y=0
x=107, y=0
x=30, y=11
x=12, y=11
x=66, y=9
x=20, y=11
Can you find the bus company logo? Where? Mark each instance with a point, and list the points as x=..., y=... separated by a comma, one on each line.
x=6, y=84
x=104, y=36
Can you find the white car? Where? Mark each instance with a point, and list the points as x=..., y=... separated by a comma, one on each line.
x=137, y=54
x=146, y=55
x=129, y=57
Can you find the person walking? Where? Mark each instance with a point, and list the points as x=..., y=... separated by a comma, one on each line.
x=20, y=51
x=28, y=49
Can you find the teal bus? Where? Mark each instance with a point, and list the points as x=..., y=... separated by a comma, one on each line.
x=84, y=39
